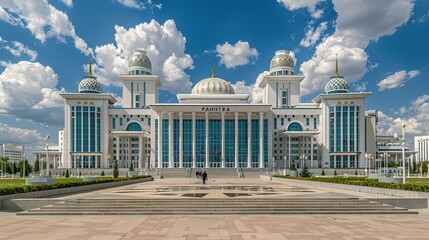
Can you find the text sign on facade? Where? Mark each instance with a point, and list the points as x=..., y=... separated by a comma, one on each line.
x=215, y=109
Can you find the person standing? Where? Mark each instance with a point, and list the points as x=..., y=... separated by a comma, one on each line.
x=204, y=177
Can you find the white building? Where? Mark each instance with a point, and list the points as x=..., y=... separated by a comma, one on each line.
x=421, y=146
x=14, y=152
x=55, y=153
x=212, y=126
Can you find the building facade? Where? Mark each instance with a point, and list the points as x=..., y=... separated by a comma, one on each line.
x=421, y=146
x=212, y=126
x=14, y=152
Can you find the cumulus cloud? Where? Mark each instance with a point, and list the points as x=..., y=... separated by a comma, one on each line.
x=256, y=94
x=18, y=49
x=396, y=80
x=358, y=23
x=313, y=35
x=68, y=3
x=165, y=46
x=236, y=55
x=297, y=4
x=43, y=20
x=15, y=135
x=136, y=4
x=28, y=91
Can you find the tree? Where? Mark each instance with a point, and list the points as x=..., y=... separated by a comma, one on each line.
x=424, y=167
x=305, y=172
x=37, y=166
x=116, y=170
x=356, y=173
x=323, y=172
x=67, y=173
x=293, y=167
x=22, y=168
x=102, y=173
x=335, y=173
x=4, y=164
x=131, y=168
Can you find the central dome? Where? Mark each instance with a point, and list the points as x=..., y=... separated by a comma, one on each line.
x=213, y=85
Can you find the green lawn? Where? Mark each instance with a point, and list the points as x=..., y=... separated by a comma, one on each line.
x=421, y=181
x=21, y=182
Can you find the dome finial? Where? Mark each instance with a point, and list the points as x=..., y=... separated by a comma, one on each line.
x=90, y=67
x=336, y=64
x=213, y=71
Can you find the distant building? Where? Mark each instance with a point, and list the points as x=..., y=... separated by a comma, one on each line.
x=421, y=146
x=55, y=153
x=14, y=152
x=393, y=147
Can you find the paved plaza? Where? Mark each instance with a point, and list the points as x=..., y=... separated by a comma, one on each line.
x=215, y=226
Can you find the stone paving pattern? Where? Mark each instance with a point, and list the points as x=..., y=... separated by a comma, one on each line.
x=215, y=227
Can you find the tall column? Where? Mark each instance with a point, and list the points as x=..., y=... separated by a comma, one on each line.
x=170, y=140
x=141, y=150
x=288, y=154
x=180, y=139
x=223, y=141
x=311, y=151
x=261, y=140
x=194, y=158
x=207, y=140
x=236, y=140
x=249, y=139
x=117, y=150
x=160, y=140
x=129, y=157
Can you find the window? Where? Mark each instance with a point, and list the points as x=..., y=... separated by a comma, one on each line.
x=121, y=123
x=282, y=121
x=134, y=127
x=307, y=121
x=284, y=98
x=113, y=123
x=294, y=127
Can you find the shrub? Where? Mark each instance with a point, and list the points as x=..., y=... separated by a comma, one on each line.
x=356, y=173
x=293, y=167
x=32, y=188
x=305, y=173
x=102, y=173
x=67, y=173
x=323, y=172
x=116, y=170
x=335, y=173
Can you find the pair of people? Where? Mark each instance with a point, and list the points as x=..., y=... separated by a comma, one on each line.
x=203, y=175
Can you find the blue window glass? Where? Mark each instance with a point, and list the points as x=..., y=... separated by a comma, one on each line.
x=215, y=142
x=121, y=122
x=93, y=129
x=294, y=127
x=148, y=121
x=200, y=142
x=78, y=129
x=113, y=123
x=156, y=142
x=187, y=143
x=85, y=125
x=165, y=143
x=134, y=127
x=242, y=142
x=338, y=129
x=352, y=129
x=275, y=123
x=265, y=143
x=176, y=144
x=229, y=143
x=282, y=121
x=307, y=121
x=345, y=129
x=315, y=123
x=255, y=143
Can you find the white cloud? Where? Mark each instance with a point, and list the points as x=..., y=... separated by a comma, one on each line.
x=17, y=49
x=15, y=135
x=396, y=80
x=68, y=3
x=361, y=87
x=43, y=20
x=235, y=55
x=312, y=35
x=255, y=93
x=165, y=46
x=296, y=4
x=136, y=4
x=27, y=91
x=358, y=23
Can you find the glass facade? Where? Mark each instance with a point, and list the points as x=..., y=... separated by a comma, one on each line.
x=165, y=143
x=215, y=142
x=200, y=142
x=255, y=143
x=187, y=143
x=229, y=143
x=242, y=143
x=176, y=142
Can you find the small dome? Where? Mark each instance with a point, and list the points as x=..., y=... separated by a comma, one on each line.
x=282, y=60
x=89, y=84
x=213, y=85
x=139, y=63
x=337, y=84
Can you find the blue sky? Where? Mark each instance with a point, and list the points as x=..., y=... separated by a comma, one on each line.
x=382, y=47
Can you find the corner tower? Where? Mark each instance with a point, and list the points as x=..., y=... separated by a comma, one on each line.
x=140, y=87
x=281, y=86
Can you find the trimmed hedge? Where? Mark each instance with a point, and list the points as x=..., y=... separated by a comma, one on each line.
x=33, y=188
x=362, y=181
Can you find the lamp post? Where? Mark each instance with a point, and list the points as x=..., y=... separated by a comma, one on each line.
x=274, y=165
x=403, y=152
x=303, y=159
x=284, y=170
x=369, y=164
x=366, y=164
x=386, y=162
x=24, y=163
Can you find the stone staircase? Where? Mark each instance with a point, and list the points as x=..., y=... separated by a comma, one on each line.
x=213, y=173
x=216, y=206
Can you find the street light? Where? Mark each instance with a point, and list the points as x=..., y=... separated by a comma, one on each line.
x=303, y=159
x=285, y=167
x=274, y=164
x=386, y=162
x=369, y=157
x=403, y=152
x=23, y=162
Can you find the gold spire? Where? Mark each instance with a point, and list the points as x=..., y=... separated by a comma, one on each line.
x=336, y=64
x=90, y=67
x=213, y=72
